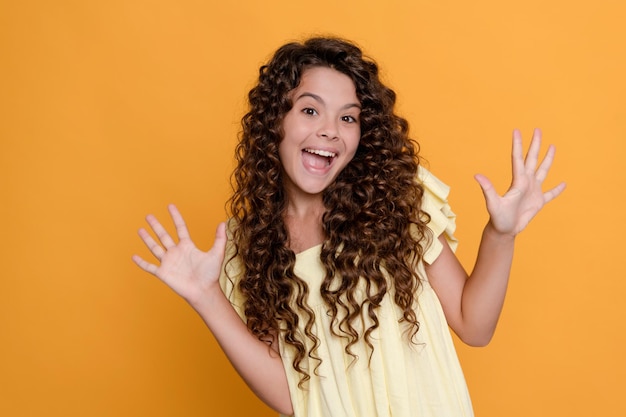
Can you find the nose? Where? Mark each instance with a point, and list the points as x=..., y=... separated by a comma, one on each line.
x=328, y=129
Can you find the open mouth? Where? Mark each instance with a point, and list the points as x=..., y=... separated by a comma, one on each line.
x=318, y=158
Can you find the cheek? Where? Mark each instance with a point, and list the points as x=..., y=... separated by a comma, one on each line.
x=292, y=131
x=293, y=123
x=354, y=141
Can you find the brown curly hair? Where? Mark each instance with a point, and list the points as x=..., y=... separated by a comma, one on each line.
x=373, y=223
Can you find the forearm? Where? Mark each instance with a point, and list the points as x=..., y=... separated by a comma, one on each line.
x=472, y=305
x=259, y=365
x=485, y=289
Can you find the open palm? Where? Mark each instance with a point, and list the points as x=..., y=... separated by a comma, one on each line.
x=511, y=212
x=189, y=271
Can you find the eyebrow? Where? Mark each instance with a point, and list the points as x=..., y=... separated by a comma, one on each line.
x=319, y=99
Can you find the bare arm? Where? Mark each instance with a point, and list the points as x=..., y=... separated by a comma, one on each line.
x=194, y=275
x=472, y=304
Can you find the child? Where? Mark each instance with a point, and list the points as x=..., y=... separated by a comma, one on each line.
x=333, y=288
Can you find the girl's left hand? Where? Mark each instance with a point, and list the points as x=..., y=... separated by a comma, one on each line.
x=511, y=213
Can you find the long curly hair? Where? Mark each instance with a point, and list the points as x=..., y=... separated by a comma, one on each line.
x=373, y=224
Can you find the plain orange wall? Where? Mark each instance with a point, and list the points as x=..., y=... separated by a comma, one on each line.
x=110, y=110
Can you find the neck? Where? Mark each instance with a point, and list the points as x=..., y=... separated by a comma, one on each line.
x=304, y=223
x=303, y=206
x=305, y=210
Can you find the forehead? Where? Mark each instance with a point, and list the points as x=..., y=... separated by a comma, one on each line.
x=327, y=82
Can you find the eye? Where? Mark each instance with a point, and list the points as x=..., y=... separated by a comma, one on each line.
x=309, y=111
x=349, y=119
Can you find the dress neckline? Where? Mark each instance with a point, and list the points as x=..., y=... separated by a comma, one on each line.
x=311, y=249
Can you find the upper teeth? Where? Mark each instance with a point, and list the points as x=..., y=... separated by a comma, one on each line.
x=320, y=152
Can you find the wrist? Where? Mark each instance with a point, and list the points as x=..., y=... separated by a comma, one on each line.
x=493, y=233
x=207, y=298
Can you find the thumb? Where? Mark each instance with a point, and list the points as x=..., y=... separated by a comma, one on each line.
x=487, y=188
x=219, y=244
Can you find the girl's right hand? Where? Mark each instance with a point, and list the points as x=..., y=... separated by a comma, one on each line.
x=194, y=275
x=190, y=272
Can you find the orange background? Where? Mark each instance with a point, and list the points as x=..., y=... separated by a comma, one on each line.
x=110, y=110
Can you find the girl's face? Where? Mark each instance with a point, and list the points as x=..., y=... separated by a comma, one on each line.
x=321, y=131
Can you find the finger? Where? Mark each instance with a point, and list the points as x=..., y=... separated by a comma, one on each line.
x=533, y=151
x=554, y=192
x=542, y=172
x=517, y=155
x=487, y=187
x=179, y=222
x=160, y=231
x=219, y=244
x=145, y=265
x=154, y=247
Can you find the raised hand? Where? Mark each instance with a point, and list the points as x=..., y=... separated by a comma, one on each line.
x=511, y=213
x=189, y=271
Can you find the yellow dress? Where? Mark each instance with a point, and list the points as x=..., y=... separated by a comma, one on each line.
x=402, y=379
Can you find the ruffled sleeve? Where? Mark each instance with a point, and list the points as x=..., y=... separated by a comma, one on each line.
x=442, y=219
